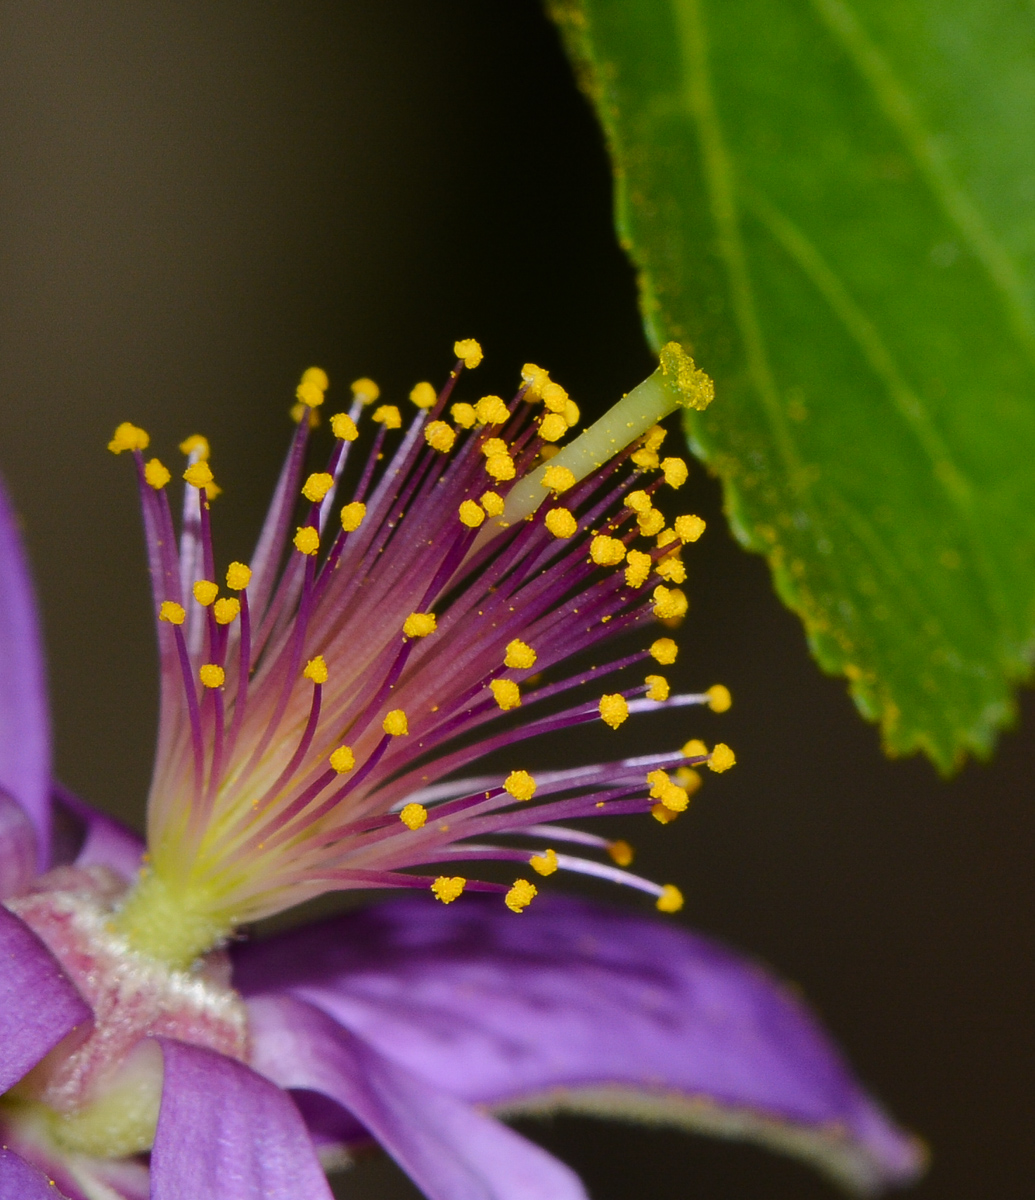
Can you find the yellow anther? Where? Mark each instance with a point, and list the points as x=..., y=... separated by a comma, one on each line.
x=471, y=514
x=316, y=376
x=238, y=576
x=558, y=479
x=418, y=624
x=688, y=779
x=695, y=748
x=650, y=522
x=520, y=655
x=463, y=414
x=365, y=390
x=614, y=709
x=342, y=759
x=395, y=723
x=447, y=888
x=520, y=785
x=537, y=378
x=156, y=474
x=500, y=467
x=654, y=436
x=689, y=528
x=316, y=670
x=413, y=815
x=658, y=688
x=172, y=612
x=638, y=568
x=639, y=502
x=307, y=540
x=506, y=692
x=212, y=676
x=423, y=395
x=669, y=603
x=205, y=591
x=571, y=413
x=670, y=900
x=561, y=523
x=309, y=392
x=666, y=537
x=352, y=516
x=722, y=758
x=199, y=475
x=719, y=698
x=493, y=446
x=388, y=416
x=606, y=551
x=343, y=427
x=520, y=895
x=552, y=427
x=440, y=436
x=468, y=350
x=671, y=795
x=299, y=411
x=662, y=814
x=675, y=471
x=664, y=651
x=196, y=447
x=317, y=486
x=226, y=610
x=128, y=437
x=621, y=853
x=544, y=864
x=493, y=503
x=672, y=569
x=492, y=410
x=644, y=458
x=554, y=397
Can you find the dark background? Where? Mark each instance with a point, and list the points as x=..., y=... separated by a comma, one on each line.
x=200, y=198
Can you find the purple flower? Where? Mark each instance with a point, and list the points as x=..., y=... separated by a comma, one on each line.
x=314, y=724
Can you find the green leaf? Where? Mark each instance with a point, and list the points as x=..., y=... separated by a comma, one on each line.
x=832, y=207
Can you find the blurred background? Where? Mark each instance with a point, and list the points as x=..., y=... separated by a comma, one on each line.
x=200, y=198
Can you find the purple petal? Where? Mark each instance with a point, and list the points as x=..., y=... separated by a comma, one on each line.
x=39, y=1005
x=580, y=1008
x=104, y=840
x=451, y=1151
x=17, y=848
x=19, y=1181
x=226, y=1133
x=24, y=723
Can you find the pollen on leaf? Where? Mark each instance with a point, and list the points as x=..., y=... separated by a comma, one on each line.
x=520, y=785
x=226, y=610
x=558, y=479
x=212, y=675
x=418, y=625
x=365, y=390
x=688, y=528
x=544, y=864
x=669, y=603
x=719, y=698
x=342, y=759
x=638, y=568
x=197, y=447
x=520, y=895
x=423, y=395
x=238, y=576
x=128, y=436
x=413, y=815
x=638, y=501
x=491, y=410
x=554, y=397
x=664, y=650
x=440, y=436
x=317, y=486
x=553, y=427
x=675, y=471
x=500, y=467
x=205, y=591
x=388, y=416
x=352, y=516
x=506, y=692
x=670, y=900
x=199, y=475
x=172, y=613
x=395, y=723
x=695, y=748
x=606, y=551
x=614, y=709
x=650, y=522
x=493, y=446
x=519, y=655
x=156, y=474
x=561, y=523
x=658, y=688
x=722, y=758
x=447, y=888
x=463, y=414
x=471, y=514
x=493, y=503
x=469, y=352
x=343, y=427
x=316, y=670
x=621, y=853
x=307, y=540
